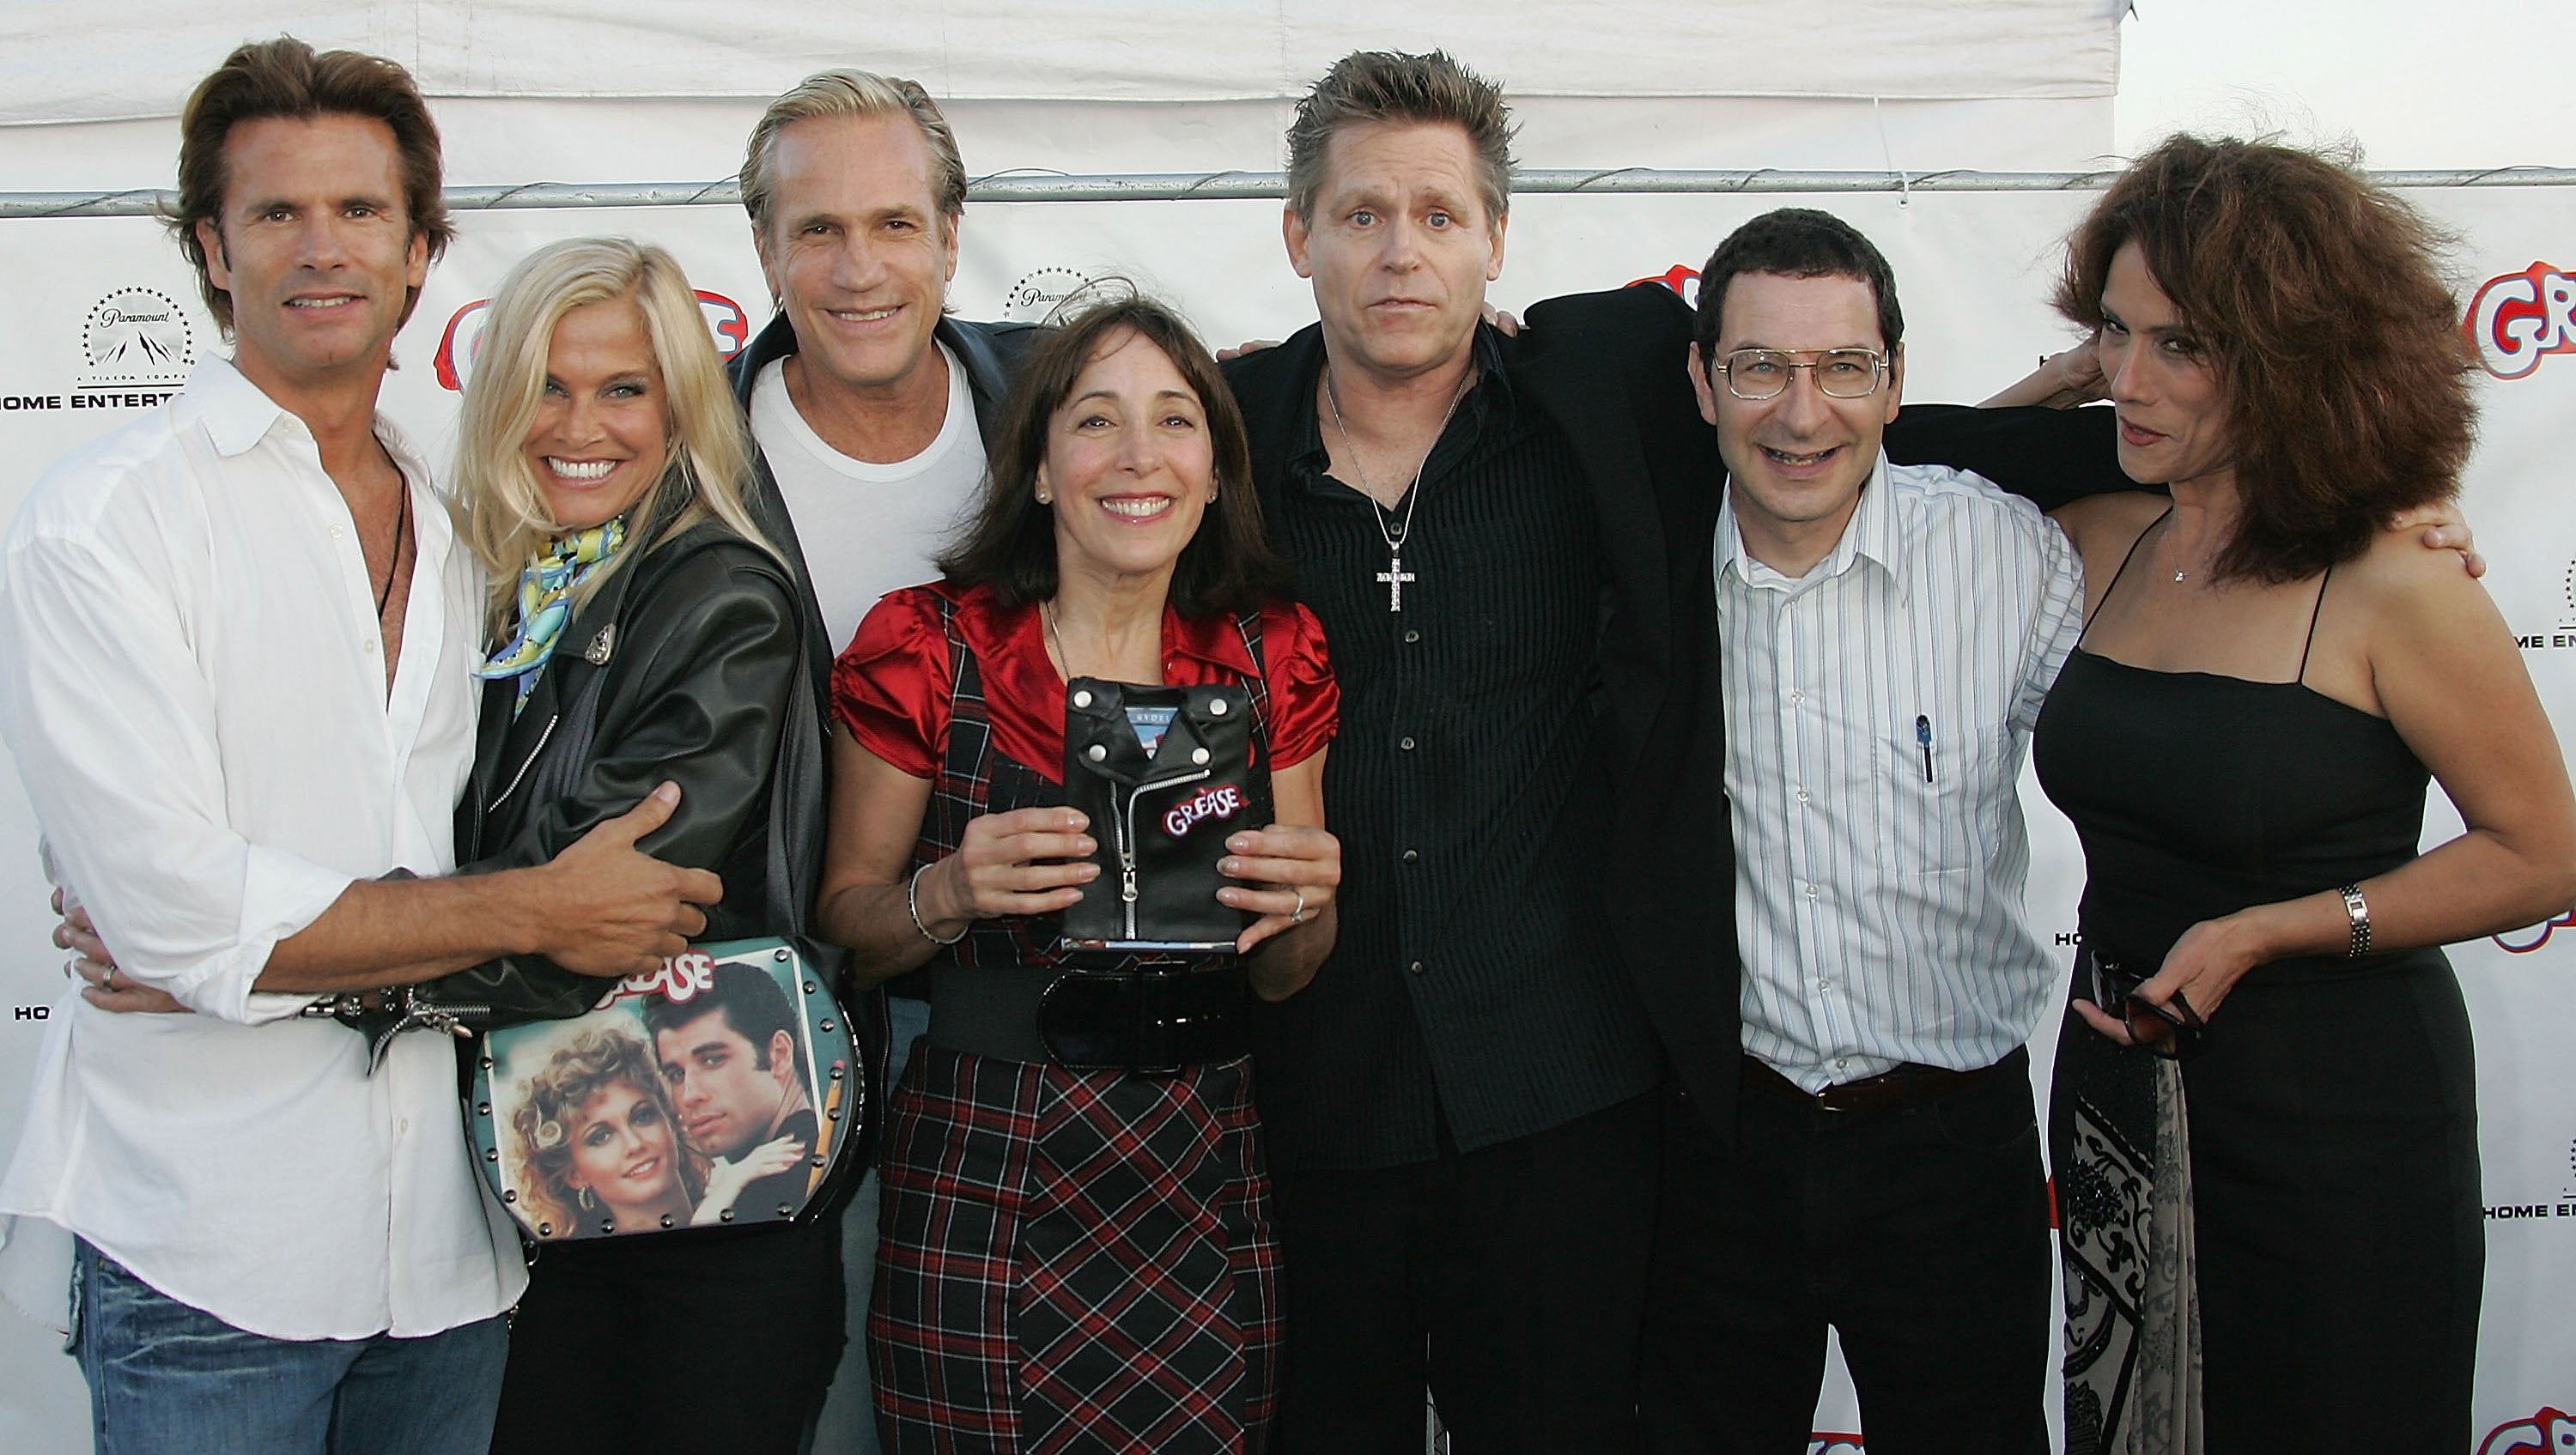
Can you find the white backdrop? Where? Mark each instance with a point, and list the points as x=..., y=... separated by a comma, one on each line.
x=102, y=316
x=1972, y=270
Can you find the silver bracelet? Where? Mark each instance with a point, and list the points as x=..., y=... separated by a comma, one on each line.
x=2356, y=909
x=912, y=906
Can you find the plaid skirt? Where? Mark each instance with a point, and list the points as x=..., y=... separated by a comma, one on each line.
x=1073, y=1261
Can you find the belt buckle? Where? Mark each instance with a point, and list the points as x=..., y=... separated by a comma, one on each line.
x=1153, y=1045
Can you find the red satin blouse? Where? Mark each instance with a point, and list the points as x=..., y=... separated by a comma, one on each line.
x=891, y=686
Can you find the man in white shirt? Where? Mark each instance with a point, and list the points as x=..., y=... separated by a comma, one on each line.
x=870, y=408
x=243, y=730
x=1886, y=635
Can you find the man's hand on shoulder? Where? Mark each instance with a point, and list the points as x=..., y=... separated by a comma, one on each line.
x=2444, y=528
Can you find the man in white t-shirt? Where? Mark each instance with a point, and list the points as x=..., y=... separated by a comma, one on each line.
x=870, y=408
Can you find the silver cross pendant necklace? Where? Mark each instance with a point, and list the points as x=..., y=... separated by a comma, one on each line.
x=1393, y=530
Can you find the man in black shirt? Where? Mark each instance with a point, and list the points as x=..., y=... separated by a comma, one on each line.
x=1459, y=1109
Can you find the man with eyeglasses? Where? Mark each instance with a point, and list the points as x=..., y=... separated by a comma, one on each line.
x=1885, y=635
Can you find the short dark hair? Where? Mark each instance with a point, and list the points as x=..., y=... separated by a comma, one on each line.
x=1010, y=544
x=285, y=77
x=1367, y=86
x=2336, y=345
x=1795, y=242
x=754, y=1008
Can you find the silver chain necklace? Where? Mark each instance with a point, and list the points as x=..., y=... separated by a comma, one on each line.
x=1395, y=532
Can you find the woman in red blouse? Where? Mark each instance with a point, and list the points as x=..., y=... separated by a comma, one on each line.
x=1076, y=1257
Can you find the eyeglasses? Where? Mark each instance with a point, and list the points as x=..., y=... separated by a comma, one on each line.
x=1842, y=373
x=2171, y=1030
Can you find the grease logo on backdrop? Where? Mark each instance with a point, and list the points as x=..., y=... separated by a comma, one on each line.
x=2524, y=942
x=462, y=339
x=2549, y=1431
x=137, y=336
x=2518, y=319
x=1038, y=292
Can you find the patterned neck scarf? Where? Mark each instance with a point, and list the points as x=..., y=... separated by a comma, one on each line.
x=545, y=591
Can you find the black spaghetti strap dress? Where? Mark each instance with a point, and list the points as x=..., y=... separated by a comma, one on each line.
x=2317, y=1201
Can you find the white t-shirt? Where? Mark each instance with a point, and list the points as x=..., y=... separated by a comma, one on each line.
x=869, y=529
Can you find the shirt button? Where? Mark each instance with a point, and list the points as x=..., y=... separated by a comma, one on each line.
x=1802, y=795
x=1824, y=985
x=367, y=648
x=1411, y=635
x=1412, y=856
x=1416, y=967
x=338, y=531
x=1405, y=743
x=1796, y=698
x=1811, y=891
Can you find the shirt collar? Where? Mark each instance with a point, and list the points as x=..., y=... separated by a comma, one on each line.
x=1493, y=391
x=238, y=414
x=1870, y=535
x=1211, y=638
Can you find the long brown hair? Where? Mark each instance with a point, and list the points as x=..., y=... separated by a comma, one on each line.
x=2335, y=341
x=1010, y=544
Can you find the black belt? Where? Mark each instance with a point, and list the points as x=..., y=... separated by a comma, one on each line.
x=1909, y=1084
x=1147, y=1021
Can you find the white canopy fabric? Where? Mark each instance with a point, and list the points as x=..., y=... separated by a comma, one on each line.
x=62, y=65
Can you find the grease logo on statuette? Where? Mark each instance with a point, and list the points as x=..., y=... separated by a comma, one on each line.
x=2518, y=319
x=1038, y=292
x=462, y=340
x=2549, y=1431
x=1824, y=1442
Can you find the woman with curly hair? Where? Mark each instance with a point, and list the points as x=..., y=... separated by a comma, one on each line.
x=2264, y=1126
x=597, y=1143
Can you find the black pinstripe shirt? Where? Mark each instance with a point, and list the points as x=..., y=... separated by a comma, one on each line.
x=1474, y=994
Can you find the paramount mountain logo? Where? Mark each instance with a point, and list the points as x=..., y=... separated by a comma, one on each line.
x=136, y=336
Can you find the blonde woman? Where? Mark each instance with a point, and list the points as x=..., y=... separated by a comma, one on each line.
x=598, y=1141
x=641, y=629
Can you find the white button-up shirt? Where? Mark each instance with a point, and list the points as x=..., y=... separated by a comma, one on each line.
x=191, y=678
x=1877, y=712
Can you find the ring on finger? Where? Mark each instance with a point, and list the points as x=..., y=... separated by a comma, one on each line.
x=1298, y=916
x=108, y=981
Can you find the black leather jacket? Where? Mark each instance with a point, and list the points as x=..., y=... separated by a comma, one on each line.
x=689, y=664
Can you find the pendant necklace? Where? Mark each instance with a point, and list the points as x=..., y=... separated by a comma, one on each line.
x=402, y=528
x=1395, y=532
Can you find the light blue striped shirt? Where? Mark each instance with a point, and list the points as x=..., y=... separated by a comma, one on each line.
x=1877, y=712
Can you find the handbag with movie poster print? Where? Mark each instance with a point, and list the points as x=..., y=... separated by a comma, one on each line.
x=721, y=1090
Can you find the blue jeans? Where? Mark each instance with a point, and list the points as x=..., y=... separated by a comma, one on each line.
x=849, y=1421
x=165, y=1377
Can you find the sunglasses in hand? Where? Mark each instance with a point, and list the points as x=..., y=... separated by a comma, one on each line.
x=2169, y=1030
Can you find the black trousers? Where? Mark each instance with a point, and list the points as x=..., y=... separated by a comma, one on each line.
x=723, y=1340
x=1508, y=1280
x=1920, y=1234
